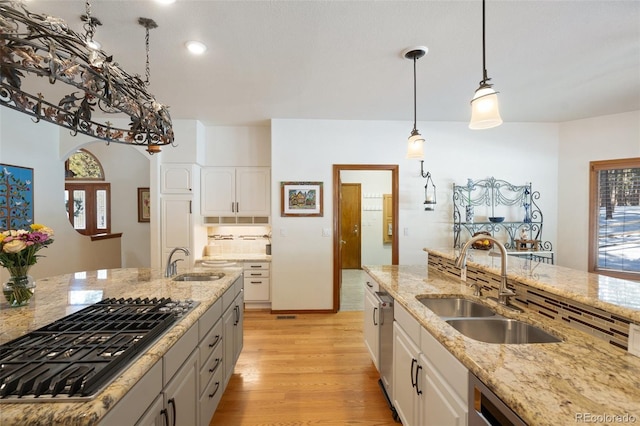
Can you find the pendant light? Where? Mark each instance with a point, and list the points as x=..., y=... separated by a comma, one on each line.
x=484, y=105
x=415, y=148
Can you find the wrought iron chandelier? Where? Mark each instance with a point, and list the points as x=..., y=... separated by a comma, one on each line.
x=37, y=45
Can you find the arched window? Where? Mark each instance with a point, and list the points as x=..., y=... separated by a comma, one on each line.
x=83, y=165
x=88, y=203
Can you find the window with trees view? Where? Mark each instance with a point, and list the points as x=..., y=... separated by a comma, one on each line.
x=87, y=196
x=614, y=220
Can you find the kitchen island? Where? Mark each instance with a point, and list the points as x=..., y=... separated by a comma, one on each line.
x=59, y=296
x=583, y=379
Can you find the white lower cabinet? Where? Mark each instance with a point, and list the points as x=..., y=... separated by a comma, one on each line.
x=232, y=322
x=257, y=285
x=406, y=374
x=181, y=395
x=445, y=396
x=430, y=384
x=371, y=321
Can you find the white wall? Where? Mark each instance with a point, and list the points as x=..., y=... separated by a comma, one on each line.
x=302, y=257
x=23, y=143
x=374, y=183
x=600, y=138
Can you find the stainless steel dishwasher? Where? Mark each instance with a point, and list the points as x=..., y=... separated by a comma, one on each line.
x=485, y=408
x=385, y=341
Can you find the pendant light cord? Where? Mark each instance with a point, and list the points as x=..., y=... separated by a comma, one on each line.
x=484, y=61
x=415, y=119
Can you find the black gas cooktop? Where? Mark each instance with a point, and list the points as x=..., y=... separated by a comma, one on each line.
x=76, y=356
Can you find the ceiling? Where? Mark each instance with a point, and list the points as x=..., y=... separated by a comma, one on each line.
x=551, y=60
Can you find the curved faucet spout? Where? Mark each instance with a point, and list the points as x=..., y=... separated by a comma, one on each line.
x=461, y=262
x=172, y=266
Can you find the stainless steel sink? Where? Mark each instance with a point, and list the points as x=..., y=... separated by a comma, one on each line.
x=199, y=276
x=455, y=307
x=501, y=330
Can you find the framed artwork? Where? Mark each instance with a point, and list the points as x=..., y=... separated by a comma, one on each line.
x=144, y=205
x=16, y=197
x=301, y=198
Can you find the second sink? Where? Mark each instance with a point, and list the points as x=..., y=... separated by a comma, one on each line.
x=502, y=330
x=199, y=276
x=455, y=307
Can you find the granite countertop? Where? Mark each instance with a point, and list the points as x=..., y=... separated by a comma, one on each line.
x=56, y=297
x=546, y=384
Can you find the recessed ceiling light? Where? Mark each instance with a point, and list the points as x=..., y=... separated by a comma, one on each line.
x=165, y=1
x=196, y=47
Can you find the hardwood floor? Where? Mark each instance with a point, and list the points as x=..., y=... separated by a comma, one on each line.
x=306, y=369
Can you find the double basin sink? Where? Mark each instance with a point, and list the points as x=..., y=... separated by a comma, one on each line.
x=481, y=323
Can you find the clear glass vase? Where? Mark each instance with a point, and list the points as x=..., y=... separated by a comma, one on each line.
x=19, y=290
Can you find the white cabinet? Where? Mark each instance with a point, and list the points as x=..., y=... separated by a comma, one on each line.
x=445, y=395
x=176, y=178
x=257, y=284
x=177, y=225
x=232, y=323
x=181, y=395
x=430, y=384
x=235, y=191
x=371, y=321
x=406, y=374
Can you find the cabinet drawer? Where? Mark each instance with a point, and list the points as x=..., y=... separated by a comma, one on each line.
x=409, y=324
x=210, y=367
x=174, y=358
x=256, y=289
x=255, y=273
x=371, y=284
x=211, y=341
x=256, y=266
x=230, y=294
x=209, y=318
x=211, y=398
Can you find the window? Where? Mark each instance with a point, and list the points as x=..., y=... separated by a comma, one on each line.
x=90, y=207
x=87, y=202
x=614, y=218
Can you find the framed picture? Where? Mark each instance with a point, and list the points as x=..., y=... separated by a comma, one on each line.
x=16, y=197
x=301, y=198
x=144, y=205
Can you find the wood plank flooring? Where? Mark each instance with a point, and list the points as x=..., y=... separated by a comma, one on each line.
x=312, y=369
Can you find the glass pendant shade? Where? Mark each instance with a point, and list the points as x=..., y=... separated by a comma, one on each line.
x=415, y=146
x=484, y=109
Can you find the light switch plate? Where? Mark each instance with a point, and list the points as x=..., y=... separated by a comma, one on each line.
x=326, y=232
x=634, y=339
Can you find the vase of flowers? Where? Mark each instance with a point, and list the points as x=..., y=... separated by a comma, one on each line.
x=18, y=250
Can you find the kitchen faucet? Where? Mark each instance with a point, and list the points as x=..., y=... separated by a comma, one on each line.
x=461, y=262
x=172, y=266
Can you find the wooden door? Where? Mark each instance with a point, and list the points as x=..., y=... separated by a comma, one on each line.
x=350, y=228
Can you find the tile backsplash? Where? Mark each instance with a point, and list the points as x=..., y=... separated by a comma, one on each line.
x=226, y=240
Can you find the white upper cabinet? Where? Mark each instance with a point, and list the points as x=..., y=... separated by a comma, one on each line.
x=176, y=178
x=235, y=191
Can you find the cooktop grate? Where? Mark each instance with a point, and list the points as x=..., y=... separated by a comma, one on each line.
x=77, y=355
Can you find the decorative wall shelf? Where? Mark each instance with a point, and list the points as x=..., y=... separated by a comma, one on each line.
x=508, y=212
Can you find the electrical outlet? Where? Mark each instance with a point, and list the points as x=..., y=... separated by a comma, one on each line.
x=634, y=339
x=463, y=274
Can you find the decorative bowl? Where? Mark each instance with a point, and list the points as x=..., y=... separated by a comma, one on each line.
x=496, y=219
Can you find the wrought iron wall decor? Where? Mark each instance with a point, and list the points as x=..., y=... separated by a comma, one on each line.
x=37, y=45
x=494, y=197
